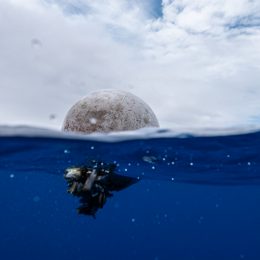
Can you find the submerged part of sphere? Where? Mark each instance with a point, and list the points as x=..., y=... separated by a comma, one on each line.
x=107, y=111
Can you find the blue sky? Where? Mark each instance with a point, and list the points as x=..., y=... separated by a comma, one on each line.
x=78, y=7
x=196, y=63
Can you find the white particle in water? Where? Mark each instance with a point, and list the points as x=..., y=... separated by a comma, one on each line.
x=172, y=179
x=129, y=164
x=163, y=159
x=228, y=155
x=173, y=163
x=138, y=178
x=36, y=198
x=11, y=176
x=248, y=163
x=149, y=159
x=92, y=147
x=66, y=151
x=200, y=219
x=125, y=169
x=191, y=164
x=133, y=220
x=153, y=167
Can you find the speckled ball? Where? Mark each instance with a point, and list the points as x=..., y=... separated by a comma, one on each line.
x=107, y=111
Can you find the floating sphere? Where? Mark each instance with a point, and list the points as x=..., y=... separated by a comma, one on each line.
x=109, y=110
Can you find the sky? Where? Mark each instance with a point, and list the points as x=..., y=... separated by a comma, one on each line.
x=196, y=63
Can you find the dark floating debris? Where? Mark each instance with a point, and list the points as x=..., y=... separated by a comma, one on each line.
x=94, y=184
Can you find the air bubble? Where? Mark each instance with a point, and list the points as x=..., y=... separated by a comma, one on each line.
x=149, y=159
x=36, y=198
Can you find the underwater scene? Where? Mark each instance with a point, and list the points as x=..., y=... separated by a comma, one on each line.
x=129, y=130
x=163, y=196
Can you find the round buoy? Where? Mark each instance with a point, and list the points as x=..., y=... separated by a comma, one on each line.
x=109, y=110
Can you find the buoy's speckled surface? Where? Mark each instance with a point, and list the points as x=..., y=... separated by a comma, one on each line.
x=107, y=111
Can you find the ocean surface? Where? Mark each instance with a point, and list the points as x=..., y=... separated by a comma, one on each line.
x=188, y=196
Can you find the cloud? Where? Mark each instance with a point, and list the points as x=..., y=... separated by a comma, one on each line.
x=195, y=62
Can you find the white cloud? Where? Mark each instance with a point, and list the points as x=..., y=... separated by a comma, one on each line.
x=197, y=65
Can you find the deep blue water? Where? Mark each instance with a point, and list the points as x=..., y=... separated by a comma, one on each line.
x=196, y=198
